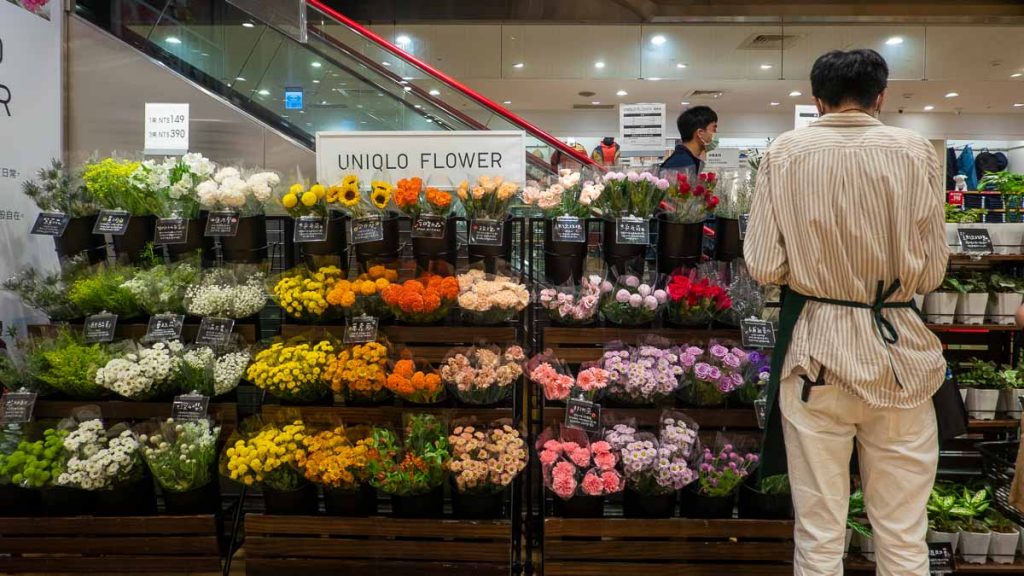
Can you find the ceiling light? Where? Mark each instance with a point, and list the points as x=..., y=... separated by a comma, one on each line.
x=248, y=25
x=595, y=102
x=402, y=40
x=1016, y=74
x=680, y=65
x=434, y=92
x=386, y=63
x=796, y=93
x=929, y=108
x=315, y=64
x=766, y=66
x=323, y=102
x=654, y=78
x=507, y=102
x=1019, y=105
x=658, y=40
x=952, y=94
x=894, y=41
x=264, y=92
x=316, y=81
x=685, y=103
x=417, y=106
x=430, y=120
x=518, y=65
x=172, y=40
x=407, y=88
x=622, y=93
x=599, y=64
x=239, y=79
x=773, y=103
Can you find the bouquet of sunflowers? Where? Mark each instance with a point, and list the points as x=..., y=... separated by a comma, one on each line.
x=364, y=295
x=303, y=293
x=268, y=457
x=422, y=300
x=294, y=371
x=359, y=372
x=361, y=202
x=416, y=383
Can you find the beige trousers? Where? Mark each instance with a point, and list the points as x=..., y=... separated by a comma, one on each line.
x=898, y=453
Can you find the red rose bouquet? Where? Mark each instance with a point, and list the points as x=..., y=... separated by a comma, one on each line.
x=693, y=301
x=692, y=199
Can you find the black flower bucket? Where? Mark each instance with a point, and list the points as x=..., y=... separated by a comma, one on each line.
x=202, y=500
x=132, y=244
x=695, y=505
x=301, y=501
x=760, y=506
x=336, y=243
x=361, y=502
x=728, y=245
x=637, y=505
x=485, y=506
x=445, y=249
x=78, y=238
x=579, y=507
x=563, y=261
x=622, y=258
x=64, y=501
x=193, y=241
x=429, y=505
x=18, y=501
x=385, y=251
x=679, y=245
x=248, y=246
x=135, y=498
x=493, y=256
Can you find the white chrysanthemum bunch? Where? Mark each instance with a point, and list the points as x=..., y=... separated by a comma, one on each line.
x=144, y=373
x=181, y=454
x=230, y=190
x=97, y=461
x=174, y=181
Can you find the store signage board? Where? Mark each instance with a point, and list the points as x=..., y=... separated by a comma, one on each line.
x=955, y=198
x=166, y=128
x=757, y=333
x=642, y=127
x=463, y=154
x=975, y=241
x=583, y=414
x=429, y=226
x=99, y=328
x=17, y=407
x=50, y=224
x=293, y=98
x=804, y=115
x=171, y=231
x=113, y=222
x=190, y=407
x=723, y=159
x=941, y=559
x=164, y=327
x=568, y=229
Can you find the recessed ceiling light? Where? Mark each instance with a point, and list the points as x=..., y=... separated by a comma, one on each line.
x=766, y=66
x=1016, y=74
x=658, y=40
x=323, y=102
x=402, y=82
x=894, y=41
x=434, y=92
x=952, y=94
x=316, y=81
x=264, y=92
x=407, y=88
x=685, y=103
x=248, y=25
x=315, y=64
x=1019, y=105
x=929, y=108
x=622, y=93
x=172, y=40
x=402, y=40
x=599, y=64
x=417, y=106
x=595, y=102
x=773, y=103
x=680, y=65
x=507, y=102
x=518, y=65
x=796, y=93
x=386, y=63
x=654, y=78
x=239, y=79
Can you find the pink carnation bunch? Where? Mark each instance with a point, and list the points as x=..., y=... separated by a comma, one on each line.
x=571, y=468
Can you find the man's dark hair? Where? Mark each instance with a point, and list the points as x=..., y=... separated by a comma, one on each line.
x=693, y=119
x=857, y=76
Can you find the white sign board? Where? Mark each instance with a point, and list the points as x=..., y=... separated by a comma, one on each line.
x=642, y=127
x=458, y=155
x=166, y=128
x=804, y=115
x=723, y=159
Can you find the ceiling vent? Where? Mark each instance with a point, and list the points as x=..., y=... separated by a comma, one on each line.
x=769, y=42
x=705, y=94
x=593, y=106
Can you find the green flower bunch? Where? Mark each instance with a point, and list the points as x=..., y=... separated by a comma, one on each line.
x=109, y=182
x=35, y=464
x=102, y=290
x=181, y=455
x=57, y=188
x=413, y=467
x=66, y=364
x=48, y=291
x=161, y=289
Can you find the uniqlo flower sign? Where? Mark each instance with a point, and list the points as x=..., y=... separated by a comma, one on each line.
x=166, y=128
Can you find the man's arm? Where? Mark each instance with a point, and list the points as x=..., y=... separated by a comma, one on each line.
x=930, y=218
x=763, y=247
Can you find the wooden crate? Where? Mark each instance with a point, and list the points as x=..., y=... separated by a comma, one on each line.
x=314, y=545
x=137, y=330
x=429, y=343
x=223, y=413
x=137, y=544
x=584, y=344
x=676, y=546
x=382, y=415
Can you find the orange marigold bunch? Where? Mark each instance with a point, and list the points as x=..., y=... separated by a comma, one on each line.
x=363, y=295
x=407, y=194
x=359, y=372
x=422, y=300
x=408, y=383
x=332, y=460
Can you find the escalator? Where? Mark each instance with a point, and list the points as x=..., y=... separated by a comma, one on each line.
x=306, y=69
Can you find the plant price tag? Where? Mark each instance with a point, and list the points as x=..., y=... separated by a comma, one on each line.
x=310, y=229
x=975, y=241
x=361, y=329
x=164, y=327
x=113, y=222
x=171, y=231
x=17, y=407
x=214, y=332
x=190, y=407
x=99, y=328
x=429, y=226
x=222, y=223
x=367, y=229
x=483, y=232
x=632, y=230
x=940, y=558
x=757, y=333
x=744, y=222
x=50, y=224
x=761, y=411
x=583, y=414
x=568, y=229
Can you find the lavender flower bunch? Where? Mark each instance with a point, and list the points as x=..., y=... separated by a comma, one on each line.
x=758, y=370
x=717, y=374
x=722, y=473
x=643, y=374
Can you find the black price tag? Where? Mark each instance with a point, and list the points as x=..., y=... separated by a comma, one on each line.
x=761, y=411
x=190, y=407
x=361, y=329
x=975, y=241
x=428, y=226
x=222, y=223
x=367, y=229
x=583, y=414
x=17, y=407
x=164, y=327
x=171, y=231
x=310, y=229
x=214, y=332
x=51, y=224
x=113, y=222
x=941, y=559
x=568, y=229
x=99, y=328
x=632, y=230
x=744, y=221
x=757, y=333
x=486, y=232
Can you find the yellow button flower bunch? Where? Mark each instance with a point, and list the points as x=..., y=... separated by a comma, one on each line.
x=293, y=372
x=301, y=201
x=270, y=457
x=359, y=372
x=363, y=295
x=332, y=460
x=302, y=294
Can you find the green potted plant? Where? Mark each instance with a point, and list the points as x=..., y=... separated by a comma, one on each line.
x=1005, y=296
x=975, y=535
x=958, y=217
x=767, y=498
x=857, y=524
x=982, y=383
x=1002, y=549
x=1007, y=237
x=1012, y=388
x=943, y=524
x=940, y=305
x=970, y=305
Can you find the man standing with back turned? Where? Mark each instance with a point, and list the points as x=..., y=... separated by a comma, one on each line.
x=848, y=216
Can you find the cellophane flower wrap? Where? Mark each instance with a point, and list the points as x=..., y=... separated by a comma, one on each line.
x=413, y=465
x=236, y=291
x=573, y=304
x=755, y=377
x=745, y=294
x=413, y=381
x=32, y=461
x=657, y=464
x=644, y=374
x=632, y=300
x=303, y=199
x=161, y=288
x=100, y=459
x=422, y=300
x=363, y=296
x=294, y=370
x=266, y=454
x=573, y=466
x=101, y=289
x=485, y=459
x=552, y=375
x=213, y=372
x=568, y=195
x=413, y=199
x=229, y=189
x=482, y=375
x=630, y=195
x=65, y=363
x=302, y=292
x=490, y=299
x=173, y=181
x=714, y=375
x=363, y=199
x=336, y=458
x=722, y=471
x=181, y=455
x=142, y=372
x=487, y=198
x=359, y=372
x=109, y=182
x=59, y=188
x=694, y=300
x=691, y=199
x=47, y=291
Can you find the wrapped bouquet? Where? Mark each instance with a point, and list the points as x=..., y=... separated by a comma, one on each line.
x=487, y=299
x=482, y=375
x=142, y=372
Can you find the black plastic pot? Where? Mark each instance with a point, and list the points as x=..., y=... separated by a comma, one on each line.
x=563, y=261
x=429, y=505
x=679, y=245
x=326, y=400
x=695, y=505
x=486, y=506
x=249, y=245
x=136, y=498
x=728, y=245
x=637, y=505
x=492, y=256
x=444, y=249
x=580, y=507
x=336, y=243
x=133, y=242
x=62, y=501
x=623, y=258
x=202, y=500
x=384, y=251
x=78, y=238
x=18, y=501
x=361, y=502
x=760, y=506
x=301, y=501
x=193, y=241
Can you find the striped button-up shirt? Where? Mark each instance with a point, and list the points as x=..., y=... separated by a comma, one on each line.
x=839, y=206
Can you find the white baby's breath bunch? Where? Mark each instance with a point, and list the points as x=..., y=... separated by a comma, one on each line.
x=98, y=461
x=225, y=297
x=143, y=373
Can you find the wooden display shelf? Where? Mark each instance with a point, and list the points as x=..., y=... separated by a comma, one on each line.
x=972, y=327
x=136, y=330
x=223, y=413
x=734, y=418
x=384, y=414
x=315, y=545
x=964, y=259
x=857, y=564
x=430, y=343
x=586, y=343
x=102, y=545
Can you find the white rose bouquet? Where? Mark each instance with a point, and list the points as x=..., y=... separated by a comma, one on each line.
x=180, y=455
x=230, y=292
x=100, y=459
x=173, y=182
x=228, y=189
x=569, y=195
x=144, y=372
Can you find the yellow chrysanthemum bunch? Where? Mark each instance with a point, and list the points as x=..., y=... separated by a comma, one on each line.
x=363, y=295
x=270, y=457
x=359, y=372
x=332, y=460
x=302, y=201
x=294, y=372
x=302, y=294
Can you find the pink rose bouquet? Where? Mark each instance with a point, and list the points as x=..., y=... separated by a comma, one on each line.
x=573, y=466
x=574, y=305
x=482, y=375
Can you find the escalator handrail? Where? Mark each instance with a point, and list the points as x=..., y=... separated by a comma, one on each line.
x=466, y=91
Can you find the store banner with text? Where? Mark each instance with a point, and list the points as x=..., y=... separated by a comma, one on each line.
x=457, y=155
x=30, y=125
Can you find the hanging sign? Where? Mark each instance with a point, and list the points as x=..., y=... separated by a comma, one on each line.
x=428, y=226
x=113, y=222
x=757, y=333
x=99, y=328
x=804, y=115
x=975, y=241
x=51, y=224
x=17, y=407
x=723, y=159
x=583, y=414
x=486, y=232
x=190, y=407
x=642, y=127
x=166, y=128
x=632, y=230
x=361, y=329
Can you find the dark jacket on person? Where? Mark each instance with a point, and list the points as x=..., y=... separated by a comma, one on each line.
x=682, y=159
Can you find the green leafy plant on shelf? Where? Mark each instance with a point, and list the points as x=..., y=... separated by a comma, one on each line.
x=1010, y=186
x=957, y=215
x=967, y=283
x=971, y=507
x=65, y=364
x=775, y=485
x=1004, y=284
x=941, y=504
x=856, y=515
x=980, y=374
x=996, y=522
x=58, y=188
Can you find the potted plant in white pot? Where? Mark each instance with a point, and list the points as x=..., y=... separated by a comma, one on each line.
x=1005, y=296
x=857, y=524
x=1012, y=381
x=982, y=382
x=1002, y=549
x=957, y=217
x=973, y=297
x=943, y=523
x=940, y=305
x=975, y=536
x=1007, y=236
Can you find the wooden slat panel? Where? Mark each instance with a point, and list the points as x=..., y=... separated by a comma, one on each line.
x=440, y=335
x=308, y=567
x=119, y=545
x=591, y=568
x=119, y=564
x=223, y=412
x=137, y=330
x=706, y=417
x=120, y=525
x=317, y=525
x=644, y=550
x=668, y=528
x=600, y=335
x=281, y=547
x=383, y=414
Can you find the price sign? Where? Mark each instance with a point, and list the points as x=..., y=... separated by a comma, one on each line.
x=486, y=232
x=164, y=327
x=744, y=221
x=757, y=333
x=166, y=128
x=17, y=407
x=941, y=559
x=361, y=329
x=310, y=229
x=171, y=231
x=583, y=414
x=367, y=229
x=190, y=407
x=568, y=229
x=113, y=222
x=429, y=226
x=99, y=328
x=214, y=332
x=955, y=198
x=975, y=241
x=222, y=223
x=51, y=224
x=632, y=230
x=761, y=411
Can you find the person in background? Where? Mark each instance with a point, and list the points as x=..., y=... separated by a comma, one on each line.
x=607, y=152
x=848, y=217
x=697, y=130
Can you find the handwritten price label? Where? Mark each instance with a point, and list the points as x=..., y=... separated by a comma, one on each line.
x=975, y=241
x=368, y=229
x=50, y=224
x=171, y=231
x=222, y=223
x=428, y=226
x=190, y=407
x=582, y=414
x=486, y=232
x=310, y=229
x=632, y=230
x=214, y=332
x=568, y=229
x=17, y=407
x=99, y=328
x=757, y=333
x=361, y=329
x=113, y=222
x=164, y=327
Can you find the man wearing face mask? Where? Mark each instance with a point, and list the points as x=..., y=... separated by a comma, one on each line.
x=848, y=217
x=697, y=131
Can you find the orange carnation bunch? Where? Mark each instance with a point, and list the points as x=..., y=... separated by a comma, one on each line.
x=359, y=372
x=407, y=195
x=363, y=295
x=408, y=383
x=422, y=300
